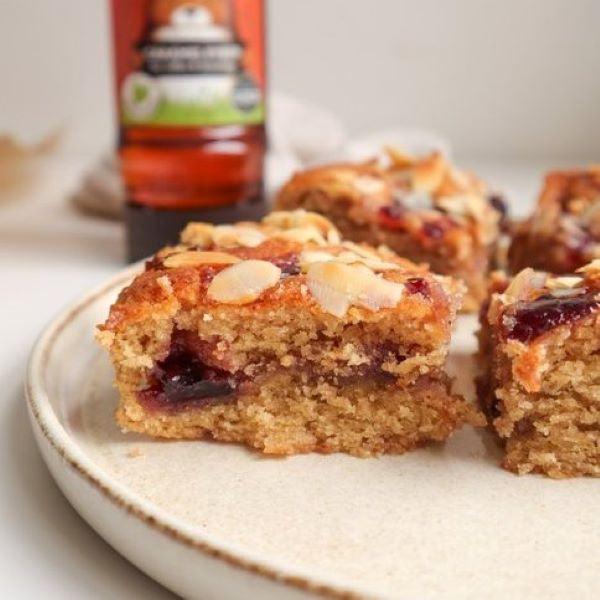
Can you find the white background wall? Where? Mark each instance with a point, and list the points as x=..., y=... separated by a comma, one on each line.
x=500, y=78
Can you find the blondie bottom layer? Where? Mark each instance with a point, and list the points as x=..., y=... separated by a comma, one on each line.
x=540, y=383
x=422, y=209
x=280, y=336
x=563, y=233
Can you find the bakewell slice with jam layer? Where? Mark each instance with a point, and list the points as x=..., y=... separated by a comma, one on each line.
x=540, y=380
x=281, y=336
x=423, y=209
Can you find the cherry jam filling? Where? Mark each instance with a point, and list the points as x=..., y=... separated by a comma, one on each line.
x=389, y=216
x=288, y=263
x=393, y=217
x=531, y=320
x=417, y=285
x=371, y=371
x=434, y=230
x=183, y=379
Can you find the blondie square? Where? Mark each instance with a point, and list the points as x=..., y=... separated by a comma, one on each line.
x=421, y=208
x=563, y=233
x=540, y=381
x=281, y=336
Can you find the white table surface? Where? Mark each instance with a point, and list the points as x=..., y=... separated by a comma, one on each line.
x=49, y=255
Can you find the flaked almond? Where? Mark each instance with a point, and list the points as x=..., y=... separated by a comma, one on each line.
x=369, y=184
x=195, y=258
x=243, y=282
x=379, y=265
x=238, y=235
x=458, y=182
x=592, y=269
x=169, y=250
x=295, y=219
x=399, y=158
x=331, y=285
x=523, y=283
x=302, y=235
x=333, y=237
x=386, y=252
x=376, y=264
x=428, y=174
x=562, y=283
x=165, y=283
x=348, y=257
x=361, y=250
x=337, y=286
x=380, y=293
x=466, y=205
x=198, y=234
x=309, y=257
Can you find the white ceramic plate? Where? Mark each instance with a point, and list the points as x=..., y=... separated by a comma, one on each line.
x=211, y=520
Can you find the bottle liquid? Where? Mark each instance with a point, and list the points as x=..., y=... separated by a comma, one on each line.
x=190, y=82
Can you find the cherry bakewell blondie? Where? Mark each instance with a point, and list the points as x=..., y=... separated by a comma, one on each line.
x=421, y=208
x=563, y=233
x=283, y=337
x=540, y=382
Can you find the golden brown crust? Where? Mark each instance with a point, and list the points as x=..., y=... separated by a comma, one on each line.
x=147, y=295
x=186, y=282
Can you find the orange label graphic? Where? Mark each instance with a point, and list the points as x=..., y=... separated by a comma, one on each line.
x=195, y=63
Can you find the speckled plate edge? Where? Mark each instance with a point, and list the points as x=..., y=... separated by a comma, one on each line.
x=65, y=459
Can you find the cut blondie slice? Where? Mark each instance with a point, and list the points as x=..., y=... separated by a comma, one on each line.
x=280, y=336
x=563, y=233
x=422, y=209
x=540, y=382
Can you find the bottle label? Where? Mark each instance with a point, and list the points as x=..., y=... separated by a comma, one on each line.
x=198, y=62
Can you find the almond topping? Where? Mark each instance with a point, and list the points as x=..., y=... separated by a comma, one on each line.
x=243, y=282
x=194, y=258
x=308, y=257
x=562, y=283
x=292, y=220
x=361, y=250
x=205, y=234
x=467, y=205
x=238, y=235
x=336, y=286
x=592, y=269
x=428, y=174
x=198, y=234
x=523, y=283
x=302, y=235
x=367, y=184
x=169, y=250
x=375, y=264
x=165, y=284
x=399, y=158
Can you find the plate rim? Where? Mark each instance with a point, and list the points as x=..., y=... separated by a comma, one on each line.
x=42, y=415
